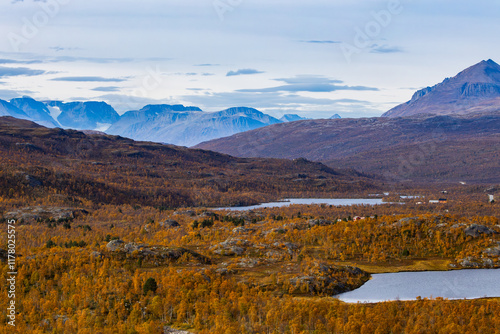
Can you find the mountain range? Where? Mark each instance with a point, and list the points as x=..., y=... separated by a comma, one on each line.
x=172, y=124
x=474, y=90
x=452, y=129
x=187, y=126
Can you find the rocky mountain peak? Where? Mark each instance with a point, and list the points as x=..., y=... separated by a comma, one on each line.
x=475, y=89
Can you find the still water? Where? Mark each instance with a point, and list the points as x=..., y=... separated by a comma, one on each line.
x=455, y=284
x=306, y=201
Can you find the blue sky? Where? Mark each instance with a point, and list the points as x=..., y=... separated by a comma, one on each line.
x=313, y=58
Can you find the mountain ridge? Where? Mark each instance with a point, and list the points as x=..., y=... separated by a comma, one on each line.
x=420, y=148
x=114, y=169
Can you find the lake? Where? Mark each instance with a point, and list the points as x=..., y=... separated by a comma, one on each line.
x=306, y=201
x=454, y=284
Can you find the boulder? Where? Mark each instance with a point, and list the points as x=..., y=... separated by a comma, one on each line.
x=114, y=245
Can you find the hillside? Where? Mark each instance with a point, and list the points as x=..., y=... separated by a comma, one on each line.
x=474, y=90
x=424, y=149
x=42, y=162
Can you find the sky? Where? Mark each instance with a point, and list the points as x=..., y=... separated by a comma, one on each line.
x=313, y=58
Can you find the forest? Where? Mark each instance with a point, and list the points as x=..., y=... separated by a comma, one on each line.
x=116, y=236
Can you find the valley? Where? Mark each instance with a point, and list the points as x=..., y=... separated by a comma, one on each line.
x=116, y=235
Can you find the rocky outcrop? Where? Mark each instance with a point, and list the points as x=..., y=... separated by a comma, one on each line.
x=407, y=221
x=114, y=245
x=471, y=262
x=231, y=247
x=242, y=230
x=153, y=253
x=330, y=280
x=39, y=213
x=493, y=251
x=480, y=89
x=319, y=222
x=475, y=230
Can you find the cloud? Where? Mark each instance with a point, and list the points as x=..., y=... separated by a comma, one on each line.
x=122, y=103
x=59, y=48
x=18, y=71
x=321, y=42
x=35, y=58
x=385, y=49
x=244, y=71
x=8, y=94
x=314, y=84
x=305, y=78
x=106, y=89
x=206, y=65
x=15, y=61
x=89, y=79
x=276, y=101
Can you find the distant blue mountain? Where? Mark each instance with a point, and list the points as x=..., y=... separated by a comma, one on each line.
x=187, y=126
x=173, y=124
x=85, y=115
x=7, y=109
x=292, y=118
x=336, y=116
x=36, y=111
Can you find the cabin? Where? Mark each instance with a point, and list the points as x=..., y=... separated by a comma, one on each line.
x=443, y=200
x=433, y=201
